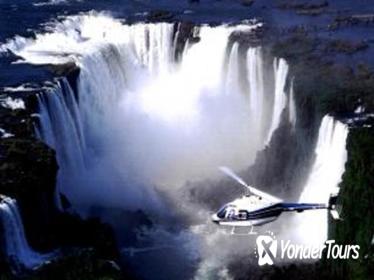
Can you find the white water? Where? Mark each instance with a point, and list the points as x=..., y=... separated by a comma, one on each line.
x=323, y=180
x=280, y=71
x=4, y=134
x=17, y=250
x=292, y=106
x=256, y=81
x=12, y=103
x=143, y=123
x=127, y=78
x=60, y=126
x=232, y=82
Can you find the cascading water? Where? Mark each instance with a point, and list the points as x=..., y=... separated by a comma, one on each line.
x=292, y=106
x=60, y=125
x=127, y=77
x=256, y=82
x=232, y=83
x=17, y=250
x=280, y=70
x=323, y=180
x=142, y=123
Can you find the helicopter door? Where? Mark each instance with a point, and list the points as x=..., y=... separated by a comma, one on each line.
x=230, y=213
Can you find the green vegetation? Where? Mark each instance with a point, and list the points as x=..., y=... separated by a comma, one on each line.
x=357, y=200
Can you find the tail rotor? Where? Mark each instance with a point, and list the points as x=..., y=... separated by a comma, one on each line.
x=332, y=206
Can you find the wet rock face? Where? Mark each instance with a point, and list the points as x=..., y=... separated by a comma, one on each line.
x=275, y=166
x=30, y=162
x=160, y=15
x=294, y=46
x=345, y=46
x=184, y=33
x=306, y=5
x=247, y=3
x=248, y=39
x=28, y=171
x=66, y=69
x=16, y=122
x=125, y=223
x=352, y=20
x=305, y=8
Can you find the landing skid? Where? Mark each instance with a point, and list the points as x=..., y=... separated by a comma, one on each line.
x=250, y=232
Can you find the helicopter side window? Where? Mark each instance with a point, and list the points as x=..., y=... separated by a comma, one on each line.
x=242, y=215
x=231, y=213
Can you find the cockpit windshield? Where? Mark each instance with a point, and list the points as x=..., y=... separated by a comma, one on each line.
x=221, y=212
x=226, y=211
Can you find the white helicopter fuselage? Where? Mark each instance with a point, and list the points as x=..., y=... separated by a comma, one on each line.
x=254, y=210
x=235, y=213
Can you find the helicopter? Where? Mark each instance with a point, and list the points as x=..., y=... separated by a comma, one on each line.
x=258, y=208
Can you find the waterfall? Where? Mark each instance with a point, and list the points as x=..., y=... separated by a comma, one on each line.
x=60, y=125
x=17, y=250
x=209, y=99
x=256, y=82
x=323, y=179
x=280, y=98
x=292, y=106
x=141, y=123
x=232, y=76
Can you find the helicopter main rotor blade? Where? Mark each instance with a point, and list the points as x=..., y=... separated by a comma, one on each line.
x=253, y=190
x=231, y=174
